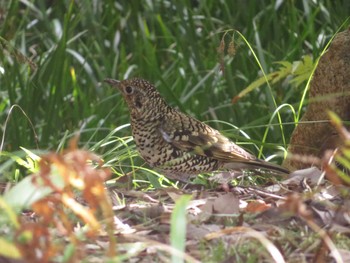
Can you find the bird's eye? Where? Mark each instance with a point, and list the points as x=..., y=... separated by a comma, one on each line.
x=129, y=90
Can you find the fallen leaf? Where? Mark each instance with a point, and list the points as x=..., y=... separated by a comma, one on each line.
x=257, y=206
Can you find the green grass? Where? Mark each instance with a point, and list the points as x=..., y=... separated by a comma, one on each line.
x=173, y=44
x=54, y=56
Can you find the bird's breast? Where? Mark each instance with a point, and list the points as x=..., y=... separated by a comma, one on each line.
x=150, y=143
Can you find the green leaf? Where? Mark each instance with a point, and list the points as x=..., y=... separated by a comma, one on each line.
x=26, y=192
x=302, y=70
x=9, y=250
x=336, y=121
x=11, y=214
x=282, y=72
x=31, y=154
x=274, y=77
x=178, y=227
x=154, y=180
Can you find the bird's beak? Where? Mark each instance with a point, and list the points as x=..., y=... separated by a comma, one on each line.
x=112, y=82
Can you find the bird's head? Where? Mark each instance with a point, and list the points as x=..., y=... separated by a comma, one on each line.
x=140, y=95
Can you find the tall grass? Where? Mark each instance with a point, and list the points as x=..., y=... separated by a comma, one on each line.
x=76, y=44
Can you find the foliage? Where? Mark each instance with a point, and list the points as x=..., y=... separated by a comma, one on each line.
x=299, y=71
x=337, y=170
x=51, y=194
x=54, y=58
x=203, y=56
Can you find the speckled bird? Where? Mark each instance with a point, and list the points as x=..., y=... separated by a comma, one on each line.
x=178, y=145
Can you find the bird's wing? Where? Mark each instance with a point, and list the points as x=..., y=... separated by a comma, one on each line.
x=190, y=135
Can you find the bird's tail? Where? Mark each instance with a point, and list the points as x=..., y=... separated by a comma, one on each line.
x=256, y=164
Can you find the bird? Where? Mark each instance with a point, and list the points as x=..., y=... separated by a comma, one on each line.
x=177, y=144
